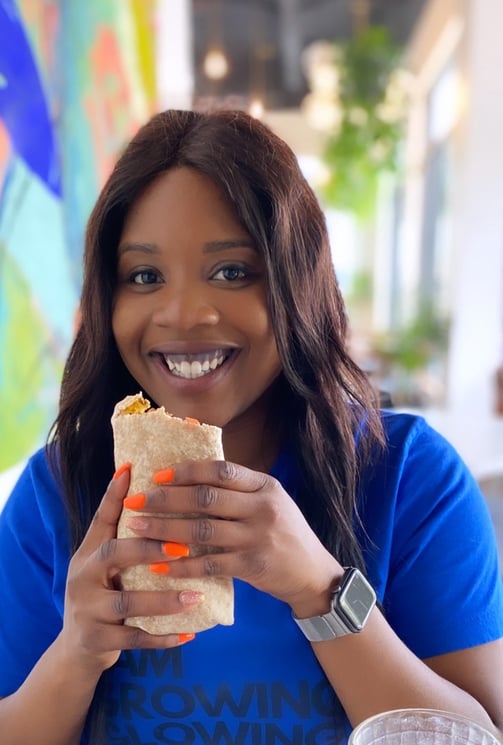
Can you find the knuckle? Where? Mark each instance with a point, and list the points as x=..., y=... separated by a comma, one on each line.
x=267, y=482
x=107, y=550
x=227, y=471
x=206, y=496
x=203, y=530
x=134, y=638
x=121, y=604
x=144, y=545
x=159, y=495
x=254, y=564
x=274, y=512
x=211, y=566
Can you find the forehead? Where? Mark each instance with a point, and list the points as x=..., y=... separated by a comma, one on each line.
x=180, y=196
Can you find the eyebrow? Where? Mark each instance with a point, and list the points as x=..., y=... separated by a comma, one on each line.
x=212, y=246
x=209, y=247
x=146, y=248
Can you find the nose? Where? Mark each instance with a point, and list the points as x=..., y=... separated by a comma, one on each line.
x=184, y=308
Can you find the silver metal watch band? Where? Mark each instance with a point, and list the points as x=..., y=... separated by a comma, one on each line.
x=350, y=607
x=321, y=628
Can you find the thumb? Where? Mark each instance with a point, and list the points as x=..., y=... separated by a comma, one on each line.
x=103, y=526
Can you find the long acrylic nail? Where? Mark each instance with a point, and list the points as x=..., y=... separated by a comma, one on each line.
x=190, y=597
x=159, y=567
x=175, y=550
x=135, y=501
x=164, y=476
x=122, y=469
x=182, y=638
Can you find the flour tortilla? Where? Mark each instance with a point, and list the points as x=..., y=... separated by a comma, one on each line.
x=151, y=439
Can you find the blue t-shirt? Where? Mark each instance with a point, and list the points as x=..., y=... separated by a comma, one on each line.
x=430, y=553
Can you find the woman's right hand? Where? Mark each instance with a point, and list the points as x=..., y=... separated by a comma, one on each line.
x=94, y=633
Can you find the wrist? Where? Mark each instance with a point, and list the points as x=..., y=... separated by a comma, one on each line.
x=315, y=601
x=84, y=667
x=352, y=601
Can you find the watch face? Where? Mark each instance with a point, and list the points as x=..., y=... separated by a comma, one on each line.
x=357, y=599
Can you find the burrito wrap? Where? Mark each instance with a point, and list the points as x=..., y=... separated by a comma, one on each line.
x=151, y=439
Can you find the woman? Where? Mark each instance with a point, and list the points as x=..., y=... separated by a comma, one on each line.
x=209, y=285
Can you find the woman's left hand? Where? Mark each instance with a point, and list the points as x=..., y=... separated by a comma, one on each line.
x=262, y=536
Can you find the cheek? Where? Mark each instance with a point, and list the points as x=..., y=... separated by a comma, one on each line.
x=124, y=323
x=253, y=314
x=252, y=318
x=265, y=322
x=262, y=337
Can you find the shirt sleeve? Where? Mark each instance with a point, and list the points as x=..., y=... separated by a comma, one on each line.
x=33, y=567
x=444, y=589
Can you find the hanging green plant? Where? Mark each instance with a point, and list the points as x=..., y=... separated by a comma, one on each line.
x=415, y=345
x=371, y=97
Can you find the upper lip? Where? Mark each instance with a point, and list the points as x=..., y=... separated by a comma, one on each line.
x=192, y=347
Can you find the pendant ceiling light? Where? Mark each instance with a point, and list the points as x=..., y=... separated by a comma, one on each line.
x=216, y=63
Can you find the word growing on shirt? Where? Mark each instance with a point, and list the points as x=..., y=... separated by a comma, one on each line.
x=246, y=733
x=162, y=710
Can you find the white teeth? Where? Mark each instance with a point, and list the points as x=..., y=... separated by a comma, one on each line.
x=189, y=367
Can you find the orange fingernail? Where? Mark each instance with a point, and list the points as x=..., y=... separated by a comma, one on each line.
x=191, y=420
x=175, y=550
x=160, y=567
x=122, y=469
x=164, y=476
x=135, y=501
x=182, y=638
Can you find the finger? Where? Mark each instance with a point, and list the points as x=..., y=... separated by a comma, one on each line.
x=201, y=531
x=116, y=554
x=117, y=605
x=220, y=473
x=122, y=636
x=194, y=500
x=218, y=488
x=131, y=637
x=104, y=523
x=249, y=566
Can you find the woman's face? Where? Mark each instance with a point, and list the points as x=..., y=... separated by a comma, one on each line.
x=190, y=314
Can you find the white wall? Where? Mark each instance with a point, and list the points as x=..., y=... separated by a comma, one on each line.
x=472, y=30
x=175, y=76
x=476, y=345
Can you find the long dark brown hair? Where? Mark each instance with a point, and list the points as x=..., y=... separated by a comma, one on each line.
x=325, y=396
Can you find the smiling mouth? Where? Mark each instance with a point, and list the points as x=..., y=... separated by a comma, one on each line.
x=192, y=366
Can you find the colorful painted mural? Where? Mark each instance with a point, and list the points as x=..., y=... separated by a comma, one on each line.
x=77, y=78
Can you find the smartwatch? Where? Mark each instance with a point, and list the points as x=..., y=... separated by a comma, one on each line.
x=350, y=607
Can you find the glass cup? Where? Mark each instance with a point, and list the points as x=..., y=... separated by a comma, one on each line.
x=420, y=727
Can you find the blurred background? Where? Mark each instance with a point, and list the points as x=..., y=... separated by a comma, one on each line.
x=394, y=109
